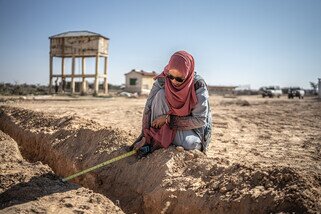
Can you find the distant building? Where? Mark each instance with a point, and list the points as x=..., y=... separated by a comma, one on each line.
x=221, y=90
x=139, y=81
x=243, y=88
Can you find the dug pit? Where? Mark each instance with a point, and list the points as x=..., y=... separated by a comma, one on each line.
x=167, y=181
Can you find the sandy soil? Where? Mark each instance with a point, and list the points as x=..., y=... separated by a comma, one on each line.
x=34, y=188
x=265, y=154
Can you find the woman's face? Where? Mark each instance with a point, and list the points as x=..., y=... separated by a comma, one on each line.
x=177, y=78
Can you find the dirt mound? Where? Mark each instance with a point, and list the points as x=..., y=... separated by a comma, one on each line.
x=188, y=182
x=167, y=180
x=239, y=102
x=33, y=187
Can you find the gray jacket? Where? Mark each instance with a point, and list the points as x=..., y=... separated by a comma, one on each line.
x=200, y=119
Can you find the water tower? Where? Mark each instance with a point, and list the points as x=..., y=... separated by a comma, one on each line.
x=79, y=44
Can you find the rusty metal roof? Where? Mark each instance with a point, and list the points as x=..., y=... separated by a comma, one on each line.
x=143, y=73
x=77, y=34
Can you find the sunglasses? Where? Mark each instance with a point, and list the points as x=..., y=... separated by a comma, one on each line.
x=178, y=79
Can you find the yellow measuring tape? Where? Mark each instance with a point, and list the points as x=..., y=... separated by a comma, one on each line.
x=100, y=165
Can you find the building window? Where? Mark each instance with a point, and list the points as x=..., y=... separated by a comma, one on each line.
x=132, y=81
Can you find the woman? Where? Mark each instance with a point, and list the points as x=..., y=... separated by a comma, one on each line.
x=177, y=110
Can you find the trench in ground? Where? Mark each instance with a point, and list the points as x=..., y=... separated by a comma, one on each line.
x=150, y=185
x=122, y=182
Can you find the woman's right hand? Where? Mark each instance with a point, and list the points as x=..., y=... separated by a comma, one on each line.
x=140, y=143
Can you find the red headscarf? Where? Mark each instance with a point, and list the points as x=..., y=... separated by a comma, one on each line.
x=181, y=99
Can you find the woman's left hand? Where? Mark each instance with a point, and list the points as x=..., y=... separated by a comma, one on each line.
x=159, y=122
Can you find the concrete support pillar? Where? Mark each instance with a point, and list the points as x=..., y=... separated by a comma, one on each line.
x=50, y=73
x=105, y=76
x=83, y=69
x=63, y=74
x=319, y=87
x=96, y=84
x=73, y=75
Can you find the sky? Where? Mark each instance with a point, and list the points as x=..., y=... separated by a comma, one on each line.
x=248, y=42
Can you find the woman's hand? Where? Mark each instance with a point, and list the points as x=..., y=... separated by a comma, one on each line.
x=140, y=143
x=160, y=121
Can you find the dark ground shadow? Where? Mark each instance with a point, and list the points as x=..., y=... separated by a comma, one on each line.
x=36, y=187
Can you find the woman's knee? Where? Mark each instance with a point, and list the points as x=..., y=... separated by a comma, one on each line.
x=190, y=142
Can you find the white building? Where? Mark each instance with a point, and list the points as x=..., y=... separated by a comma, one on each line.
x=139, y=81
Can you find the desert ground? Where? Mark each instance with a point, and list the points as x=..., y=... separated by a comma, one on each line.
x=265, y=157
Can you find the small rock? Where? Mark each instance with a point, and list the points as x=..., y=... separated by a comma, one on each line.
x=229, y=186
x=223, y=190
x=197, y=153
x=179, y=148
x=216, y=186
x=189, y=156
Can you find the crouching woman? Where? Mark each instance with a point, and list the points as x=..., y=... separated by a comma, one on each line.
x=177, y=110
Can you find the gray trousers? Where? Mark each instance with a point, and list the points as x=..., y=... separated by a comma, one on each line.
x=185, y=138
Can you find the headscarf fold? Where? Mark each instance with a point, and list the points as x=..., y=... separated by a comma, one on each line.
x=180, y=99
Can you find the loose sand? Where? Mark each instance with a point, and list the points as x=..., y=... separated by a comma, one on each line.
x=265, y=154
x=34, y=188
